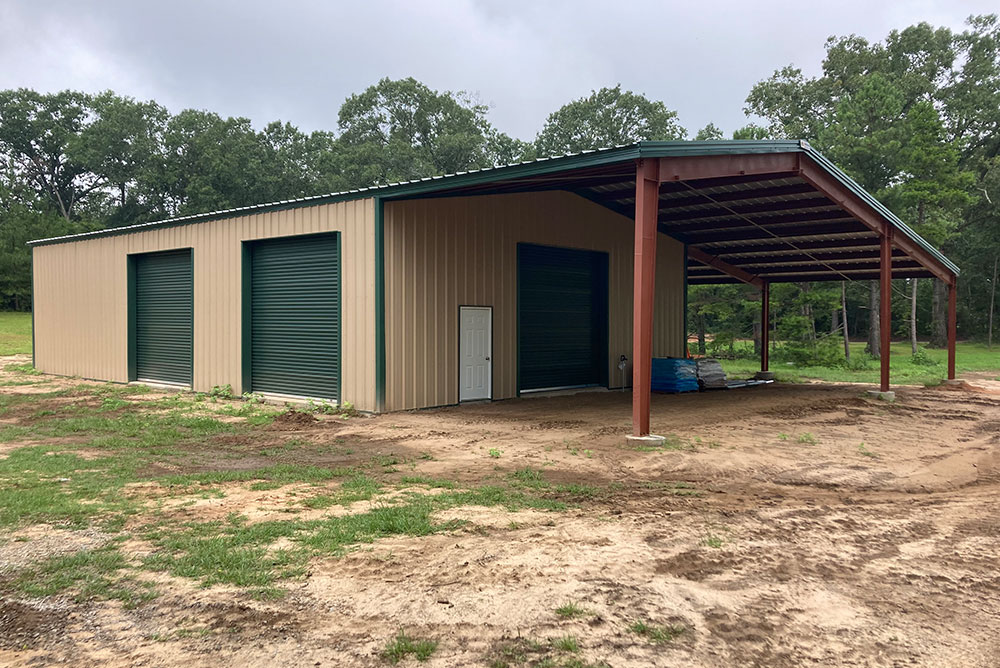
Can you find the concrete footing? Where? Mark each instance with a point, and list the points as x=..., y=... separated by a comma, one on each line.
x=649, y=441
x=956, y=382
x=764, y=375
x=884, y=396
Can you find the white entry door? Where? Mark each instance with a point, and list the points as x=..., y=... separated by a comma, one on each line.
x=475, y=350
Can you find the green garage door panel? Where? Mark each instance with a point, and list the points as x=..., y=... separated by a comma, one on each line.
x=164, y=312
x=295, y=316
x=562, y=302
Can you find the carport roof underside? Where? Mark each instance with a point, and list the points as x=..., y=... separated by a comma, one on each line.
x=751, y=211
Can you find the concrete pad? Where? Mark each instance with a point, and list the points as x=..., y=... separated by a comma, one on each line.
x=884, y=396
x=764, y=375
x=649, y=441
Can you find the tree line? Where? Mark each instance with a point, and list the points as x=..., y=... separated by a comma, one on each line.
x=914, y=118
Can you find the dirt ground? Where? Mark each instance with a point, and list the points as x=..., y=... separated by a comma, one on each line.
x=785, y=525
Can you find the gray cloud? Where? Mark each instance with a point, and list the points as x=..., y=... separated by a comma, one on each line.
x=298, y=60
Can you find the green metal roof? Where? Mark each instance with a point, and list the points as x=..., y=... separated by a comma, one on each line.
x=585, y=159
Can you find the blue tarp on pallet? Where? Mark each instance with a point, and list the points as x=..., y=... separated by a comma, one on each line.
x=672, y=374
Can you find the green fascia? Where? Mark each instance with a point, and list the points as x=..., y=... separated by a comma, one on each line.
x=246, y=267
x=340, y=319
x=33, y=309
x=130, y=318
x=191, y=283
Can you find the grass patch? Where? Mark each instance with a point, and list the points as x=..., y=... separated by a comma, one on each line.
x=657, y=635
x=358, y=487
x=864, y=451
x=403, y=646
x=281, y=474
x=533, y=479
x=714, y=541
x=433, y=483
x=570, y=611
x=807, y=439
x=89, y=575
x=567, y=644
x=927, y=368
x=15, y=333
x=240, y=554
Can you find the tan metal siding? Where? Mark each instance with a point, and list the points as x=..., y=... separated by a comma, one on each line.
x=81, y=295
x=444, y=253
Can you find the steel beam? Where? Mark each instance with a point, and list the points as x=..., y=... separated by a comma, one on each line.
x=952, y=327
x=885, y=307
x=723, y=266
x=765, y=325
x=647, y=195
x=827, y=184
x=691, y=168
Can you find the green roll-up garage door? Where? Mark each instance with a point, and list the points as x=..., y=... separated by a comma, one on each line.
x=164, y=312
x=562, y=303
x=295, y=316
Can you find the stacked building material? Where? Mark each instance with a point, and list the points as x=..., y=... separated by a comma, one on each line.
x=710, y=375
x=671, y=374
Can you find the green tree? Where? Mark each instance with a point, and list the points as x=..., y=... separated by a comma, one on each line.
x=607, y=117
x=914, y=118
x=398, y=130
x=121, y=150
x=36, y=131
x=211, y=163
x=709, y=132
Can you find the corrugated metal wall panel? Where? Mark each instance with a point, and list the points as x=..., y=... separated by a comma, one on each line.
x=81, y=295
x=444, y=253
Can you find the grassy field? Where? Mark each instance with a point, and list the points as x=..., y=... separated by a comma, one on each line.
x=903, y=371
x=15, y=333
x=123, y=436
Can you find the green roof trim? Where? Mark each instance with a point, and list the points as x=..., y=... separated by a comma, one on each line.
x=595, y=158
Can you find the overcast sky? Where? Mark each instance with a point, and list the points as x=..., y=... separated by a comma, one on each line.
x=296, y=60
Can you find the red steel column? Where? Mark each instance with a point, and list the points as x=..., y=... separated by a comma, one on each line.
x=885, y=310
x=647, y=196
x=952, y=326
x=765, y=324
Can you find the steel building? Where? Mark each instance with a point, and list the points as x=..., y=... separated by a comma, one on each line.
x=472, y=286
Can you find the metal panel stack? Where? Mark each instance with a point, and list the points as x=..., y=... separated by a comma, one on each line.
x=710, y=375
x=672, y=374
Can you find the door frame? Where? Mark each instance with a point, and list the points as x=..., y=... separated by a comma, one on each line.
x=131, y=313
x=489, y=396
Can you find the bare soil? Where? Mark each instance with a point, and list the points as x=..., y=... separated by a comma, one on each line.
x=767, y=531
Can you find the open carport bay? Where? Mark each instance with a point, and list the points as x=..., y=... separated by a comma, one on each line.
x=783, y=525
